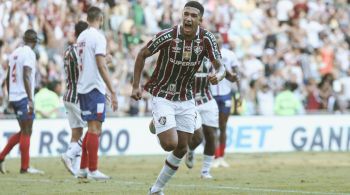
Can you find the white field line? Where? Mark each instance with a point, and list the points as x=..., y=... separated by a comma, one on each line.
x=219, y=187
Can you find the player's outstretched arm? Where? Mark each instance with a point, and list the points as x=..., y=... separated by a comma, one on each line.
x=139, y=64
x=27, y=72
x=102, y=68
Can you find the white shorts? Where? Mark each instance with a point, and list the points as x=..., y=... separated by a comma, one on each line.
x=207, y=114
x=173, y=114
x=74, y=115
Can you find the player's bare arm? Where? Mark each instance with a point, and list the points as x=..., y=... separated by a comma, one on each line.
x=27, y=71
x=102, y=68
x=139, y=64
x=234, y=77
x=219, y=74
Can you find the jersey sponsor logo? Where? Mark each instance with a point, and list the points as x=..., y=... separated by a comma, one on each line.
x=182, y=63
x=197, y=49
x=162, y=120
x=176, y=49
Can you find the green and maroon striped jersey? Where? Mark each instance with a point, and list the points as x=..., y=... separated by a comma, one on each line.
x=201, y=90
x=71, y=69
x=178, y=61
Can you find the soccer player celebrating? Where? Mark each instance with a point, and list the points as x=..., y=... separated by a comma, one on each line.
x=223, y=97
x=21, y=84
x=71, y=158
x=92, y=82
x=182, y=49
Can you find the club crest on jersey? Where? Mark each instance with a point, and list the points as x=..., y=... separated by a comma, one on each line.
x=162, y=120
x=198, y=49
x=171, y=89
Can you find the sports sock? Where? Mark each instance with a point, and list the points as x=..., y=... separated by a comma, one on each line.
x=13, y=140
x=92, y=148
x=169, y=169
x=24, y=144
x=207, y=161
x=74, y=149
x=222, y=150
x=84, y=155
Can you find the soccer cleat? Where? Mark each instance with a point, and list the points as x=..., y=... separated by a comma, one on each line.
x=155, y=193
x=206, y=175
x=189, y=161
x=97, y=175
x=32, y=171
x=67, y=163
x=151, y=127
x=2, y=167
x=223, y=163
x=82, y=173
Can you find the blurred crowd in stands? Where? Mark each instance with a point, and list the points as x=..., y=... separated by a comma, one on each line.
x=294, y=54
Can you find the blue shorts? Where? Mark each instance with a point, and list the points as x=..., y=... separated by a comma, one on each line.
x=92, y=106
x=21, y=110
x=224, y=103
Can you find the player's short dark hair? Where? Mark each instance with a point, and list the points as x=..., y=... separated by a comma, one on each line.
x=94, y=13
x=80, y=27
x=197, y=5
x=30, y=36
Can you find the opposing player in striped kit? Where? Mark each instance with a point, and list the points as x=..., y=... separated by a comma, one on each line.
x=182, y=49
x=21, y=84
x=71, y=158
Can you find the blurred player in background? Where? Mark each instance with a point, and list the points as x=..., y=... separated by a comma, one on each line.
x=21, y=84
x=207, y=120
x=182, y=49
x=92, y=82
x=222, y=93
x=71, y=158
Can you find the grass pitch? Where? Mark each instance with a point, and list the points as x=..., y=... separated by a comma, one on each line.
x=269, y=173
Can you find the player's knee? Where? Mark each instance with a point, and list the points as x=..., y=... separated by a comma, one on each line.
x=169, y=145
